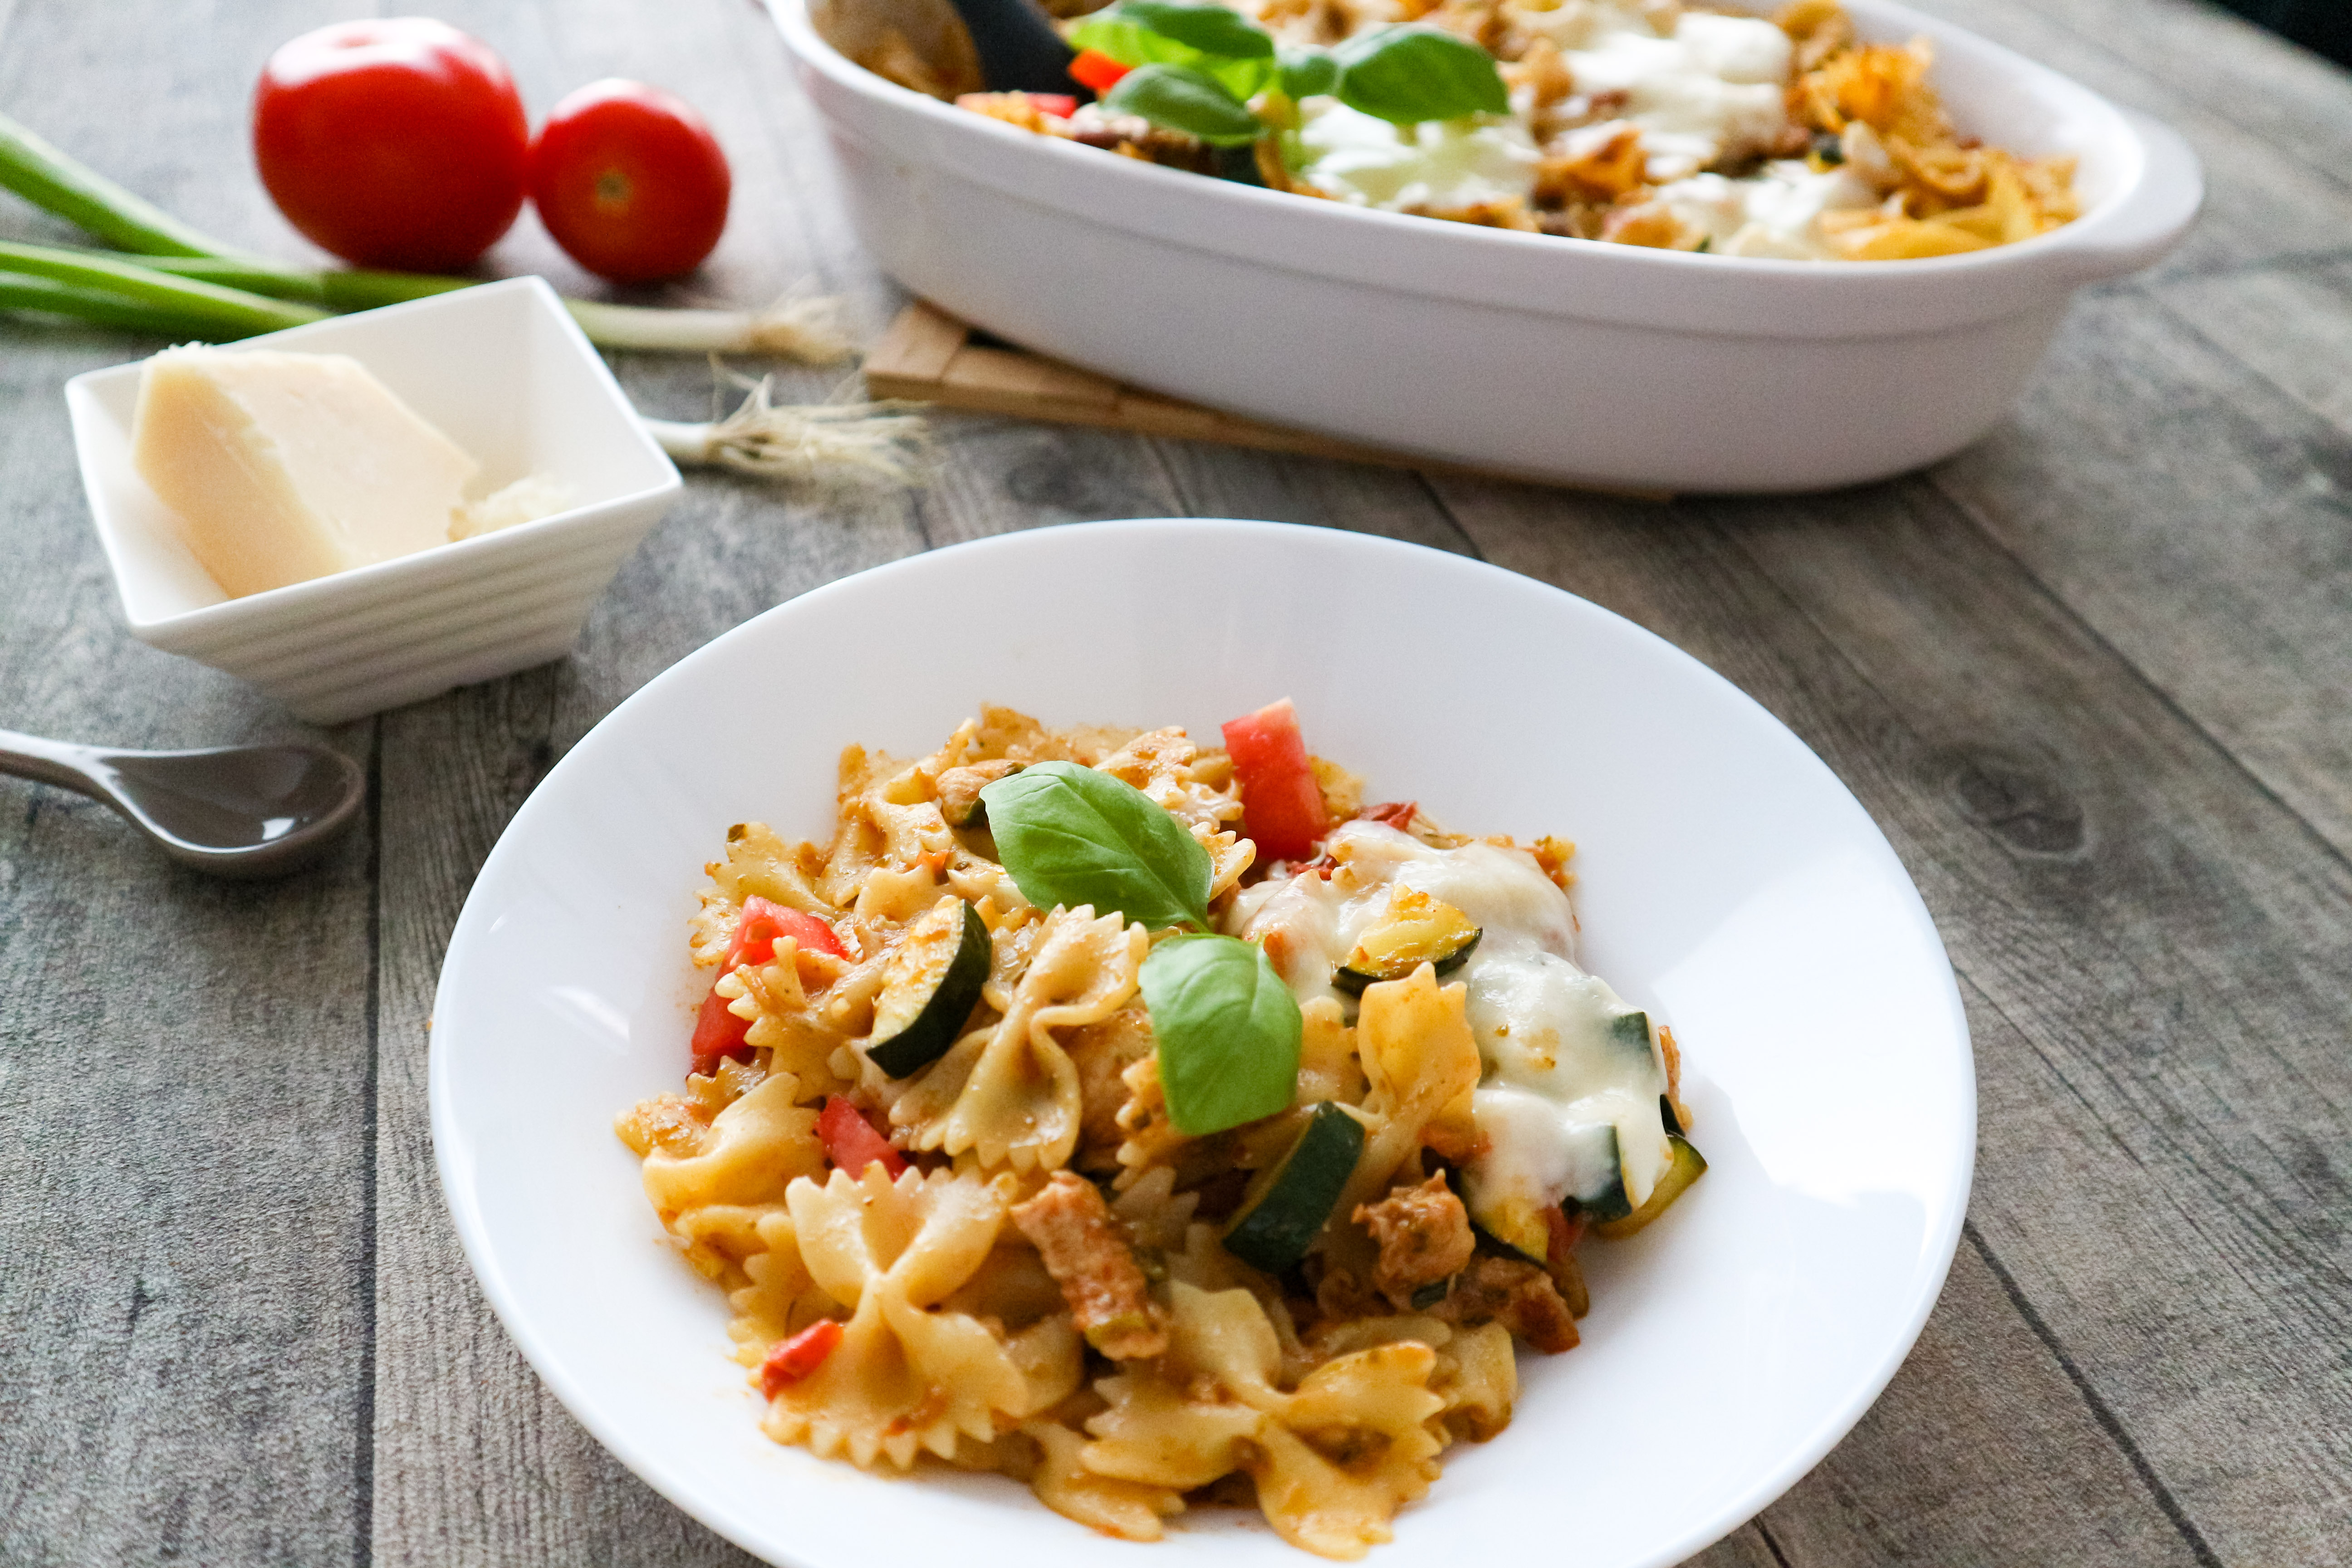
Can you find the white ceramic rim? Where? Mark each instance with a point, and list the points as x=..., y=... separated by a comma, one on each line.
x=456, y=561
x=1942, y=1230
x=2156, y=196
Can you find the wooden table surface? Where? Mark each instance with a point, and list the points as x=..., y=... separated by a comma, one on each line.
x=2093, y=678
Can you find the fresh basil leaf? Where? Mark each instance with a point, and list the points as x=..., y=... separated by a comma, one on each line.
x=1075, y=836
x=1228, y=1031
x=1409, y=75
x=1132, y=40
x=1212, y=29
x=1305, y=73
x=1183, y=97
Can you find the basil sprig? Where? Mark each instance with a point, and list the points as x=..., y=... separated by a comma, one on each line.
x=1227, y=1027
x=1211, y=40
x=1072, y=835
x=1407, y=75
x=1183, y=98
x=1228, y=1031
x=1217, y=60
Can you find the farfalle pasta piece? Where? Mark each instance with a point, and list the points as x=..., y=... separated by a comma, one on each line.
x=1130, y=1511
x=799, y=1031
x=909, y=1373
x=1163, y=764
x=711, y=1188
x=758, y=863
x=1477, y=1374
x=1420, y=1061
x=1333, y=1458
x=779, y=1297
x=1009, y=1092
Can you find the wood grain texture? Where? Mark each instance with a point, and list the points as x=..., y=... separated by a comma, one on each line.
x=454, y=1403
x=2162, y=1170
x=928, y=356
x=183, y=1219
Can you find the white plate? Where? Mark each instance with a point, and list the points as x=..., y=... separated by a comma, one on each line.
x=1729, y=883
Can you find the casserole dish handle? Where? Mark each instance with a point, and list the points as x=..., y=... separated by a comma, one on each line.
x=2154, y=214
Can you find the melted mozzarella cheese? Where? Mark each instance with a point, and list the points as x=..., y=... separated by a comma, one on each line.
x=1567, y=1104
x=1711, y=85
x=1775, y=214
x=1437, y=168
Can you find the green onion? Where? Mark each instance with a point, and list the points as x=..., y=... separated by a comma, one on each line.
x=801, y=328
x=22, y=291
x=54, y=182
x=209, y=309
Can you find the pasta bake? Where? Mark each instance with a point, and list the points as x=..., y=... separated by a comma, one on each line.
x=1648, y=122
x=1161, y=1126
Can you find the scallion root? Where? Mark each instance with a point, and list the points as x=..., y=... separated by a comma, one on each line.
x=808, y=443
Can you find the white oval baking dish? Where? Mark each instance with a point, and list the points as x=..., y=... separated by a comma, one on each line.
x=1556, y=359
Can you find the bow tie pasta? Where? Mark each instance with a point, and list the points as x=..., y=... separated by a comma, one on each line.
x=1163, y=1127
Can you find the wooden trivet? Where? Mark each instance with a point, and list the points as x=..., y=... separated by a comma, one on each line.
x=929, y=355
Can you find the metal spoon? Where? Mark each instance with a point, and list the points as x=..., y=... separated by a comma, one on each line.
x=234, y=811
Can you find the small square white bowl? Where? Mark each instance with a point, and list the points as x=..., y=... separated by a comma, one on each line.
x=506, y=373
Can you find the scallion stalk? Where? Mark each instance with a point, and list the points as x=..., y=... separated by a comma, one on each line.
x=22, y=291
x=797, y=329
x=210, y=308
x=51, y=180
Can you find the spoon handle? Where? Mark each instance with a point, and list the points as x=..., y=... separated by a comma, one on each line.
x=50, y=762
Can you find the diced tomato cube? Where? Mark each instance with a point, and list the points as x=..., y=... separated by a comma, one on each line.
x=717, y=1033
x=1282, y=806
x=851, y=1141
x=1097, y=70
x=1060, y=105
x=795, y=1358
x=1565, y=1233
x=764, y=920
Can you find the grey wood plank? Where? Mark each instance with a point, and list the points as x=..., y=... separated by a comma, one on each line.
x=2161, y=1167
x=2281, y=93
x=1216, y=481
x=2192, y=513
x=1981, y=1451
x=184, y=1247
x=2291, y=326
x=454, y=1402
x=2261, y=202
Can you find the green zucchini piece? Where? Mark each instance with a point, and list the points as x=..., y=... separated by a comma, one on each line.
x=1415, y=930
x=1605, y=1199
x=1630, y=1033
x=1433, y=1293
x=929, y=989
x=1288, y=1202
x=1687, y=1165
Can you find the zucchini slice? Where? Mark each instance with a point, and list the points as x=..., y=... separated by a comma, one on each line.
x=1605, y=1200
x=1686, y=1166
x=1415, y=930
x=1288, y=1202
x=929, y=989
x=1630, y=1033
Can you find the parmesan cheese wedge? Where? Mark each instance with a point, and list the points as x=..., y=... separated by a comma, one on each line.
x=279, y=468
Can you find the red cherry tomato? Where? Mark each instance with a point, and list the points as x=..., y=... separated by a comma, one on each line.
x=397, y=143
x=630, y=182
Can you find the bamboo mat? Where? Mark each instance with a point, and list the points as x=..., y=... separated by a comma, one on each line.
x=929, y=355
